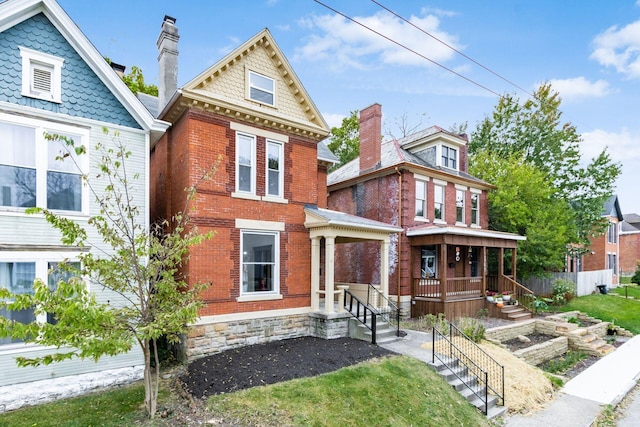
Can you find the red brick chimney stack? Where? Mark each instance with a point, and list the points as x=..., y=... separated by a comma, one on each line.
x=370, y=137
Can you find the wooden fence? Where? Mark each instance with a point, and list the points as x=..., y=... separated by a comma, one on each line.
x=585, y=281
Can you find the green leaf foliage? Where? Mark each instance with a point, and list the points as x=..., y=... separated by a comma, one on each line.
x=142, y=268
x=345, y=140
x=567, y=209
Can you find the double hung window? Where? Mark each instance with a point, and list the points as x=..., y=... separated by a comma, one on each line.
x=262, y=89
x=246, y=163
x=449, y=157
x=438, y=202
x=275, y=177
x=460, y=205
x=421, y=199
x=260, y=255
x=475, y=209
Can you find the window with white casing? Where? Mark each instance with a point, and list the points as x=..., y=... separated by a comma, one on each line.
x=449, y=157
x=438, y=202
x=475, y=209
x=17, y=274
x=261, y=88
x=421, y=199
x=36, y=171
x=275, y=169
x=612, y=232
x=460, y=205
x=260, y=262
x=245, y=163
x=41, y=75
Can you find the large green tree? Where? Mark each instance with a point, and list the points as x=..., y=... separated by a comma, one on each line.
x=140, y=268
x=533, y=132
x=345, y=139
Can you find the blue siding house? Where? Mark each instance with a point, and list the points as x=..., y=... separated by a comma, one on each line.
x=52, y=80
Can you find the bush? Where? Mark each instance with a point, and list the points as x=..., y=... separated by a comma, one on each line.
x=636, y=277
x=473, y=328
x=562, y=291
x=429, y=321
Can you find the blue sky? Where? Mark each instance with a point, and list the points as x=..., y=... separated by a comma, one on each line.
x=589, y=50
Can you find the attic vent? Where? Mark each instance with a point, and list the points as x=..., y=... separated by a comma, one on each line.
x=41, y=75
x=42, y=79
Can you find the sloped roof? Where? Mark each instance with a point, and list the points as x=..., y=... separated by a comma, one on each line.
x=13, y=12
x=326, y=217
x=221, y=89
x=612, y=208
x=325, y=154
x=429, y=229
x=393, y=154
x=631, y=223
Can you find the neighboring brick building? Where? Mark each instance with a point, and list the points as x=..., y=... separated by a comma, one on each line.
x=420, y=183
x=629, y=244
x=604, y=251
x=250, y=116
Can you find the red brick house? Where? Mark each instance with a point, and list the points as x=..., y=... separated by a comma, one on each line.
x=250, y=115
x=604, y=251
x=446, y=257
x=629, y=244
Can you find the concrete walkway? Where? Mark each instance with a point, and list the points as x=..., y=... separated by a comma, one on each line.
x=579, y=402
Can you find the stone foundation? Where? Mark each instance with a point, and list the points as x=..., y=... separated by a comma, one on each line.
x=213, y=338
x=329, y=326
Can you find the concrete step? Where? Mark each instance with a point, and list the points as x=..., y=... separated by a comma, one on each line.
x=454, y=373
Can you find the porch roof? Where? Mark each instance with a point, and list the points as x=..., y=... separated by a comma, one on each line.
x=320, y=217
x=431, y=230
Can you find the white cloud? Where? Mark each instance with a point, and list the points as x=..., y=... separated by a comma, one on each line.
x=619, y=48
x=580, y=87
x=333, y=120
x=621, y=146
x=341, y=43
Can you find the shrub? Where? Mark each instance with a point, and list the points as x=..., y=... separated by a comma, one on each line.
x=473, y=328
x=429, y=321
x=636, y=277
x=562, y=290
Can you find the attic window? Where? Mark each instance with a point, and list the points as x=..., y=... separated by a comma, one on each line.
x=41, y=75
x=261, y=89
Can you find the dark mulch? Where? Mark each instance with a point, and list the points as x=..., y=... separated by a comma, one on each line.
x=274, y=362
x=515, y=344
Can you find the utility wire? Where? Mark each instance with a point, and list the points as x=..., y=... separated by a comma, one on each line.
x=451, y=47
x=407, y=48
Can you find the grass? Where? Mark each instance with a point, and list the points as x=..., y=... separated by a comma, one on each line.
x=117, y=407
x=561, y=364
x=625, y=312
x=630, y=290
x=394, y=391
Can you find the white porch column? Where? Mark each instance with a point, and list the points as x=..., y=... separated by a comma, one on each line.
x=384, y=268
x=329, y=262
x=315, y=273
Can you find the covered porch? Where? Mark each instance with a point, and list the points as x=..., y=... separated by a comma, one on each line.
x=452, y=268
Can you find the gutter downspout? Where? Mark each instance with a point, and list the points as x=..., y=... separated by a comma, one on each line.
x=399, y=235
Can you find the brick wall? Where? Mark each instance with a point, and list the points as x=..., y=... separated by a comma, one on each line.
x=370, y=137
x=629, y=253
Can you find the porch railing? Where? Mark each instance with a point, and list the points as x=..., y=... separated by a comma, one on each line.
x=387, y=310
x=480, y=372
x=456, y=288
x=523, y=295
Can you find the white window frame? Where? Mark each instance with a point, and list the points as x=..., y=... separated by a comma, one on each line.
x=252, y=140
x=250, y=85
x=41, y=261
x=34, y=60
x=446, y=163
x=276, y=263
x=441, y=202
x=477, y=194
x=280, y=146
x=423, y=181
x=42, y=145
x=461, y=208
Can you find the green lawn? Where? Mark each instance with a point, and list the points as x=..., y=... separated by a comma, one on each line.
x=394, y=391
x=625, y=312
x=630, y=290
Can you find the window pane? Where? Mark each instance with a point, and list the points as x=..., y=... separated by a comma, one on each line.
x=61, y=157
x=261, y=88
x=420, y=198
x=17, y=186
x=258, y=262
x=274, y=165
x=274, y=183
x=261, y=82
x=245, y=163
x=18, y=145
x=18, y=277
x=261, y=96
x=64, y=191
x=57, y=275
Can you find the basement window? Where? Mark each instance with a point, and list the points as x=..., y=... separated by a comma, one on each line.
x=41, y=75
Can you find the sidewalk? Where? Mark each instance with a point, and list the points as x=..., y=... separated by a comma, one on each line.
x=579, y=402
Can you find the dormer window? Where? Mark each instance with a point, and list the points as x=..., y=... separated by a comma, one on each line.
x=41, y=75
x=261, y=89
x=449, y=157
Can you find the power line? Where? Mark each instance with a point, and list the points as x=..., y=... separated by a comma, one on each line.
x=407, y=48
x=451, y=47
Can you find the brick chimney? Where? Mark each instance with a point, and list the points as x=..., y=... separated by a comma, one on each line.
x=167, y=61
x=370, y=137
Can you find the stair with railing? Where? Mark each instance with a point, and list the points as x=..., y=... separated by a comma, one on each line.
x=376, y=320
x=469, y=370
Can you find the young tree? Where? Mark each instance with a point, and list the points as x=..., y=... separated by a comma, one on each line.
x=141, y=267
x=345, y=140
x=534, y=131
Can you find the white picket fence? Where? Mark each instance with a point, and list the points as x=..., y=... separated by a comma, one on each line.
x=586, y=282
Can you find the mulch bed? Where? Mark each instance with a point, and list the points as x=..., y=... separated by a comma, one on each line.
x=515, y=344
x=270, y=363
